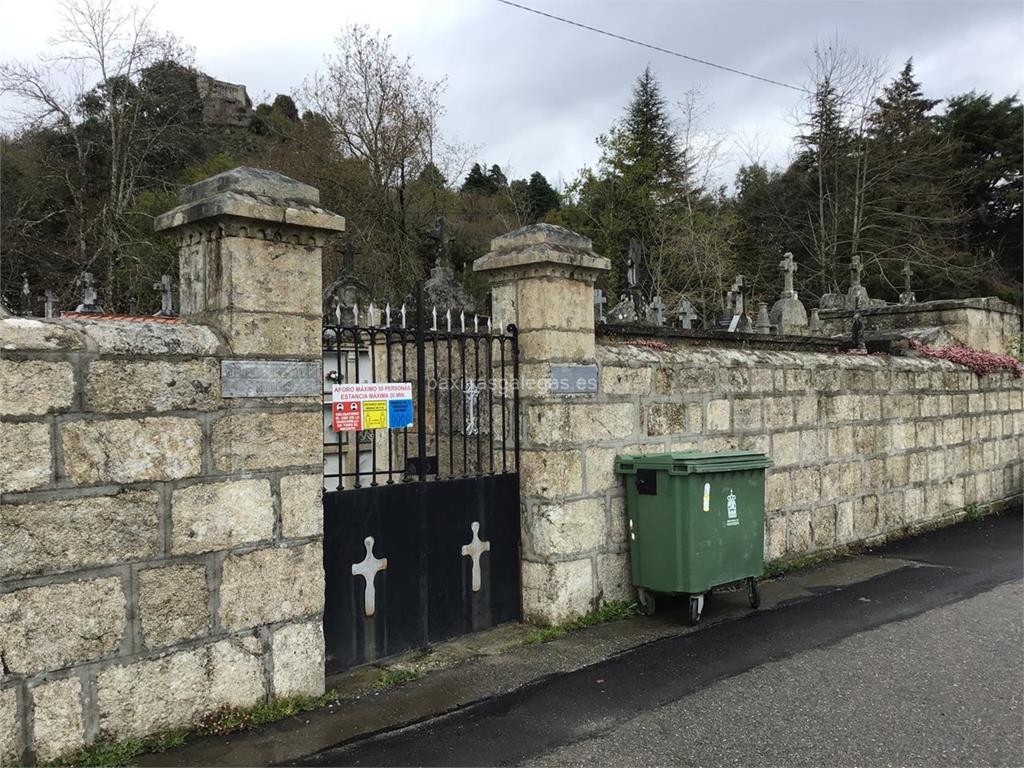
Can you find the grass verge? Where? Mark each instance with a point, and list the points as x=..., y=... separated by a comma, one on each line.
x=611, y=611
x=106, y=751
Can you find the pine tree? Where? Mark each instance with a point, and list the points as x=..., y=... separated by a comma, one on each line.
x=541, y=197
x=496, y=179
x=910, y=207
x=902, y=110
x=644, y=148
x=477, y=181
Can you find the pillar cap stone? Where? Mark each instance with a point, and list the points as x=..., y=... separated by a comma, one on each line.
x=251, y=193
x=542, y=244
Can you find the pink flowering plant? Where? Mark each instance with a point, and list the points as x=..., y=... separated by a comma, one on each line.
x=980, y=362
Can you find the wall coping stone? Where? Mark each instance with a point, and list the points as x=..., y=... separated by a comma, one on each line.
x=989, y=303
x=109, y=337
x=628, y=355
x=249, y=193
x=537, y=244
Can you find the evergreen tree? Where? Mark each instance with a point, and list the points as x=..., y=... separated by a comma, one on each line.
x=987, y=138
x=541, y=197
x=641, y=182
x=902, y=110
x=476, y=181
x=496, y=179
x=910, y=208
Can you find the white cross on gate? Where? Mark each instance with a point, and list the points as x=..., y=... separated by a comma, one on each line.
x=475, y=549
x=368, y=570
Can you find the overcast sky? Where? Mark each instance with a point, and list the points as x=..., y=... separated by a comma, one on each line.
x=533, y=93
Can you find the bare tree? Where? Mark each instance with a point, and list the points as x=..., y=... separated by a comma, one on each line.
x=384, y=116
x=90, y=79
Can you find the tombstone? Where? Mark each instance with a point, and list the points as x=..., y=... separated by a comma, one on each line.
x=814, y=328
x=858, y=332
x=656, y=311
x=763, y=324
x=739, y=322
x=342, y=298
x=441, y=287
x=685, y=314
x=49, y=302
x=788, y=315
x=907, y=296
x=26, y=296
x=857, y=295
x=90, y=299
x=624, y=311
x=166, y=287
x=599, y=302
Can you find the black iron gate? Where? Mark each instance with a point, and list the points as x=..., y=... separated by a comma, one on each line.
x=421, y=523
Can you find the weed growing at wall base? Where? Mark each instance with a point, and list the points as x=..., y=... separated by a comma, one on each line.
x=611, y=611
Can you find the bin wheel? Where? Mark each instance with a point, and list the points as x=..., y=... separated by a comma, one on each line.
x=696, y=608
x=754, y=593
x=647, y=604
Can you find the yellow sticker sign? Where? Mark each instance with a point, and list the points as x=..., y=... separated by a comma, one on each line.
x=375, y=414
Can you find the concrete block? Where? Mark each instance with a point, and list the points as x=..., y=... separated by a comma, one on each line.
x=290, y=439
x=298, y=656
x=173, y=604
x=70, y=534
x=614, y=581
x=57, y=718
x=35, y=387
x=554, y=593
x=302, y=512
x=785, y=448
x=273, y=584
x=565, y=529
x=718, y=416
x=549, y=474
x=174, y=690
x=10, y=728
x=746, y=414
x=823, y=527
x=127, y=386
x=222, y=515
x=625, y=381
x=28, y=460
x=132, y=450
x=55, y=626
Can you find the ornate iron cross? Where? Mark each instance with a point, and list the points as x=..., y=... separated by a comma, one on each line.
x=472, y=395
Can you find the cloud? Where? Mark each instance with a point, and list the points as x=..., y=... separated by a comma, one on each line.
x=535, y=93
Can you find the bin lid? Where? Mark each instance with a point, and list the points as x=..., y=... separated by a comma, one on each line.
x=692, y=462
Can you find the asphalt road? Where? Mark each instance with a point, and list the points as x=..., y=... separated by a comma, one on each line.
x=919, y=666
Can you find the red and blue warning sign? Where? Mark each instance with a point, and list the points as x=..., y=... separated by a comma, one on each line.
x=372, y=406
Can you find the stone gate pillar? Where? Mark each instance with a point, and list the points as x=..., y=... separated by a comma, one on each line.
x=249, y=249
x=542, y=279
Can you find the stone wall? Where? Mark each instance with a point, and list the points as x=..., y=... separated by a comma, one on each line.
x=863, y=446
x=982, y=323
x=160, y=543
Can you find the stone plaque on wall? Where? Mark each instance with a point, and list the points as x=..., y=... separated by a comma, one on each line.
x=573, y=380
x=270, y=378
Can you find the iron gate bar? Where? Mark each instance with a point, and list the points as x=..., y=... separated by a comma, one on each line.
x=421, y=385
x=514, y=333
x=344, y=343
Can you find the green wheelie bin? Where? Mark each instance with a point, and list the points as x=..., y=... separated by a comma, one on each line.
x=696, y=522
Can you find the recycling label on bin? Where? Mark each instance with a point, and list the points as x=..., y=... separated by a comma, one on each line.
x=731, y=516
